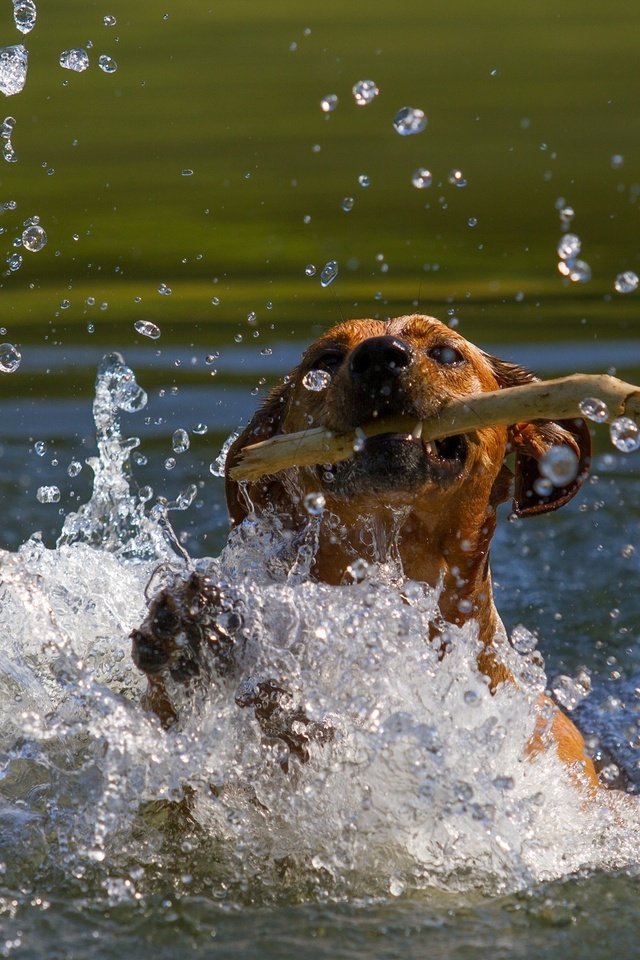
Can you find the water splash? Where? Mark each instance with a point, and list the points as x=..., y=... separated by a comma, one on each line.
x=421, y=785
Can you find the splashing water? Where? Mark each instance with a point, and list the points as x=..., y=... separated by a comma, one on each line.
x=421, y=785
x=14, y=61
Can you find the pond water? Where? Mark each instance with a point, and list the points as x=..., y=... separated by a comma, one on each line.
x=195, y=187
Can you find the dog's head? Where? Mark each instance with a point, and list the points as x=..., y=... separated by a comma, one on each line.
x=412, y=366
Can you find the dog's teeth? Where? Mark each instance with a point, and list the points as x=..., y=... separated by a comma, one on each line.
x=416, y=433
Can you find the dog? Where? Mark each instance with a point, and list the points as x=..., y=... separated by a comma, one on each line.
x=430, y=504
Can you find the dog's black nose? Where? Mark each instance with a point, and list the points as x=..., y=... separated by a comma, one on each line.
x=382, y=357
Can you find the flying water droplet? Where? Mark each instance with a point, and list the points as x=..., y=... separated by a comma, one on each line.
x=109, y=20
x=364, y=92
x=147, y=329
x=76, y=59
x=543, y=486
x=10, y=358
x=457, y=178
x=24, y=15
x=328, y=273
x=569, y=246
x=107, y=64
x=364, y=180
x=314, y=504
x=316, y=380
x=347, y=204
x=180, y=441
x=329, y=103
x=164, y=290
x=625, y=434
x=569, y=692
x=409, y=120
x=34, y=238
x=594, y=409
x=626, y=282
x=310, y=270
x=14, y=262
x=217, y=468
x=48, y=494
x=13, y=69
x=566, y=216
x=422, y=178
x=617, y=161
x=559, y=465
x=74, y=468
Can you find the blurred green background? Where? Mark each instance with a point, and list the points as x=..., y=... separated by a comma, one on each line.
x=530, y=101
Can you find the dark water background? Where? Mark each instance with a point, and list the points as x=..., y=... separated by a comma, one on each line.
x=533, y=103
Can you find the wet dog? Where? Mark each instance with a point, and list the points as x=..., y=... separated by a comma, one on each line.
x=430, y=504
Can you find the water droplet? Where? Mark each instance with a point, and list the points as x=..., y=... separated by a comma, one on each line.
x=409, y=120
x=579, y=271
x=65, y=304
x=107, y=64
x=76, y=59
x=594, y=409
x=316, y=380
x=396, y=887
x=364, y=92
x=48, y=494
x=625, y=434
x=457, y=178
x=14, y=262
x=566, y=215
x=569, y=246
x=13, y=69
x=347, y=204
x=164, y=290
x=170, y=463
x=328, y=273
x=310, y=270
x=215, y=301
x=109, y=20
x=626, y=282
x=74, y=468
x=559, y=465
x=34, y=238
x=617, y=161
x=180, y=441
x=523, y=640
x=472, y=222
x=543, y=487
x=569, y=692
x=329, y=103
x=358, y=570
x=10, y=358
x=314, y=504
x=40, y=448
x=237, y=338
x=200, y=429
x=145, y=494
x=364, y=180
x=24, y=15
x=147, y=329
x=217, y=468
x=186, y=172
x=185, y=498
x=422, y=178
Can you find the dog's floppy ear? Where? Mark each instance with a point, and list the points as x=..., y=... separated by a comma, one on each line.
x=265, y=423
x=531, y=441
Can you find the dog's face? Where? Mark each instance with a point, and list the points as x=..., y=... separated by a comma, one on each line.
x=412, y=366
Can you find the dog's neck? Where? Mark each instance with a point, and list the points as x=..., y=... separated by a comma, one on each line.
x=428, y=547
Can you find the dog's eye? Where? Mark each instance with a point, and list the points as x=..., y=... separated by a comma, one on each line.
x=446, y=355
x=330, y=360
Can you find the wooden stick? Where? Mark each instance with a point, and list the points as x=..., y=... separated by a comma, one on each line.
x=543, y=399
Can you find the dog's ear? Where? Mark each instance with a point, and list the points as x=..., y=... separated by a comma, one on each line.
x=265, y=423
x=531, y=441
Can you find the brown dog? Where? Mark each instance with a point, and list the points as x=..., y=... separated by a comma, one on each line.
x=432, y=504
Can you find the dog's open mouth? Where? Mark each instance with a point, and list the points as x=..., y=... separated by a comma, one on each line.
x=396, y=462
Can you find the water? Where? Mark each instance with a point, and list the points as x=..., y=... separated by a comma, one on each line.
x=13, y=69
x=409, y=121
x=365, y=92
x=76, y=59
x=422, y=178
x=24, y=15
x=420, y=797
